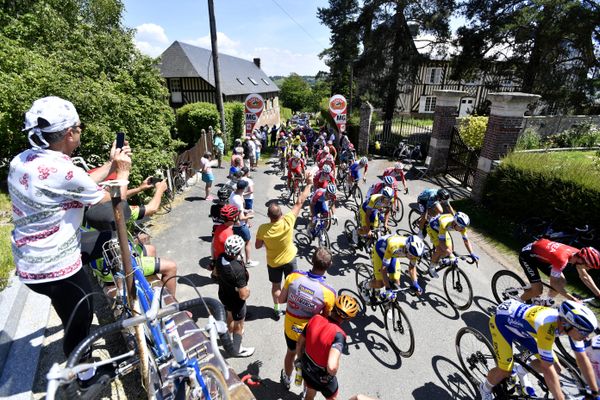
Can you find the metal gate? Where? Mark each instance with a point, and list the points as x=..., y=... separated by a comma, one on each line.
x=462, y=160
x=411, y=130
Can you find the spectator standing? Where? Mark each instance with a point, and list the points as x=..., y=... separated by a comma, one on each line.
x=249, y=192
x=264, y=132
x=247, y=151
x=237, y=161
x=277, y=236
x=258, y=146
x=207, y=176
x=228, y=215
x=306, y=295
x=274, y=136
x=320, y=348
x=48, y=194
x=241, y=226
x=233, y=292
x=219, y=147
x=252, y=146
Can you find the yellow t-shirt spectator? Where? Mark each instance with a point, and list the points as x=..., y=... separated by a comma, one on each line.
x=279, y=240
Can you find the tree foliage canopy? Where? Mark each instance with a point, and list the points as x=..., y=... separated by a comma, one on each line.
x=298, y=95
x=552, y=46
x=78, y=50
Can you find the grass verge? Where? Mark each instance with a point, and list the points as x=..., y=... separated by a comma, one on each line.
x=6, y=259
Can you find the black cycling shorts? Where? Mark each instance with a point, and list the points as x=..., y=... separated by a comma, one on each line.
x=531, y=266
x=316, y=379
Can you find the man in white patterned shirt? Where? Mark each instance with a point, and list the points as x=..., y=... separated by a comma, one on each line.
x=48, y=194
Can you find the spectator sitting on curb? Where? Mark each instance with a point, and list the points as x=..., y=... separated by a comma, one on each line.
x=278, y=238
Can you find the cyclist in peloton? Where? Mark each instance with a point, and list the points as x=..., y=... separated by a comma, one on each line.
x=282, y=144
x=323, y=177
x=545, y=253
x=433, y=202
x=321, y=153
x=369, y=213
x=327, y=159
x=438, y=231
x=355, y=168
x=319, y=204
x=535, y=328
x=320, y=347
x=386, y=181
x=386, y=264
x=397, y=172
x=296, y=168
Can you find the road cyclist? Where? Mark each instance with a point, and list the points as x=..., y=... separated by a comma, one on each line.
x=296, y=168
x=397, y=172
x=535, y=328
x=374, y=210
x=431, y=203
x=323, y=177
x=322, y=205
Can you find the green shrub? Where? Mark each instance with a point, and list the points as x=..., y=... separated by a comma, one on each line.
x=472, y=130
x=193, y=117
x=234, y=122
x=534, y=184
x=528, y=140
x=582, y=135
x=285, y=114
x=6, y=259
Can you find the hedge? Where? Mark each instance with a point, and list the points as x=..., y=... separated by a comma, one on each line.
x=534, y=184
x=193, y=117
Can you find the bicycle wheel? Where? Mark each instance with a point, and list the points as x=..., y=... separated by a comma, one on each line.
x=413, y=221
x=324, y=239
x=363, y=272
x=531, y=229
x=396, y=212
x=475, y=354
x=506, y=285
x=349, y=227
x=457, y=287
x=214, y=381
x=357, y=196
x=399, y=330
x=178, y=183
x=166, y=204
x=562, y=346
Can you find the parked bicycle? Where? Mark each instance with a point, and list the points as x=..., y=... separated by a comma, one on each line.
x=535, y=228
x=397, y=325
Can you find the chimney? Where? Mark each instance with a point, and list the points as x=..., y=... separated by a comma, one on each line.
x=257, y=62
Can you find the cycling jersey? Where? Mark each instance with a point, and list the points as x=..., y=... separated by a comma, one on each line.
x=355, y=168
x=319, y=203
x=391, y=171
x=321, y=179
x=534, y=327
x=375, y=203
x=308, y=295
x=553, y=253
x=327, y=159
x=295, y=165
x=376, y=188
x=438, y=228
x=593, y=353
x=427, y=199
x=385, y=254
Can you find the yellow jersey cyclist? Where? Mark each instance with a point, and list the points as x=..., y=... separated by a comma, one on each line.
x=535, y=328
x=438, y=231
x=386, y=264
x=369, y=213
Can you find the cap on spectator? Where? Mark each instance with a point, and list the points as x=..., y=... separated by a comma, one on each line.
x=243, y=184
x=48, y=114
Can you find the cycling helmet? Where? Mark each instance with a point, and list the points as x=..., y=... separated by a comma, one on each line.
x=223, y=194
x=346, y=306
x=230, y=212
x=590, y=257
x=415, y=245
x=443, y=194
x=326, y=149
x=387, y=192
x=327, y=168
x=461, y=219
x=234, y=245
x=363, y=161
x=578, y=316
x=331, y=189
x=388, y=180
x=298, y=137
x=296, y=154
x=398, y=165
x=282, y=134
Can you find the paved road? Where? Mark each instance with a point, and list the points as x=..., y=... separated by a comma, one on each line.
x=371, y=366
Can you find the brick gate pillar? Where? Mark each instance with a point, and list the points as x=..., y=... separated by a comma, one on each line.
x=366, y=112
x=444, y=118
x=504, y=126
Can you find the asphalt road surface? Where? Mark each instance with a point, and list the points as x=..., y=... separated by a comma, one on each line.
x=371, y=366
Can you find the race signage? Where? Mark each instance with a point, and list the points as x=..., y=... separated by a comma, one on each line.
x=337, y=110
x=254, y=107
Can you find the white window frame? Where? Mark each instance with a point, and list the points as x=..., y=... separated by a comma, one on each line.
x=430, y=104
x=432, y=74
x=175, y=85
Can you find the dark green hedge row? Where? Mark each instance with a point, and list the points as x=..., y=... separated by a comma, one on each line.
x=526, y=185
x=194, y=117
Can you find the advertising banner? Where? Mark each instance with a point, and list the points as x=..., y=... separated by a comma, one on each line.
x=337, y=110
x=254, y=105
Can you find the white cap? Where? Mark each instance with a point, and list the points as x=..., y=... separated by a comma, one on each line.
x=49, y=114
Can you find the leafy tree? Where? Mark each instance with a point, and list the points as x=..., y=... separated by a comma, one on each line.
x=320, y=90
x=78, y=50
x=295, y=93
x=552, y=46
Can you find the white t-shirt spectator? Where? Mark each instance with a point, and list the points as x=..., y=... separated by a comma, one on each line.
x=238, y=201
x=48, y=194
x=249, y=192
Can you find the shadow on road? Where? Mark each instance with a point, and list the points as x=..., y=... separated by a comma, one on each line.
x=195, y=280
x=479, y=321
x=193, y=198
x=453, y=378
x=484, y=304
x=268, y=388
x=259, y=312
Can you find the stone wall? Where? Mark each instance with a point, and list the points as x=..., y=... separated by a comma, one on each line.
x=547, y=126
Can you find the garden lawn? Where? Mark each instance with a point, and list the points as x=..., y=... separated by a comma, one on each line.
x=6, y=260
